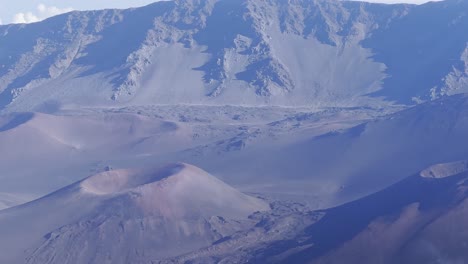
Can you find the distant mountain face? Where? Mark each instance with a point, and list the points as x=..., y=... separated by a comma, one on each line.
x=249, y=52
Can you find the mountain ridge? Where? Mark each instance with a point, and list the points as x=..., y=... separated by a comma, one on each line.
x=315, y=53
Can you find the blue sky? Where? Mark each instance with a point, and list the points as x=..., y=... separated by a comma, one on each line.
x=26, y=11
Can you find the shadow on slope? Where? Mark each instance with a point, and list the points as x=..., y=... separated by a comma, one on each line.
x=434, y=196
x=420, y=49
x=15, y=120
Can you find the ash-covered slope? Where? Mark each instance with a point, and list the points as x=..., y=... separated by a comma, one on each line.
x=347, y=164
x=64, y=149
x=126, y=216
x=421, y=219
x=249, y=52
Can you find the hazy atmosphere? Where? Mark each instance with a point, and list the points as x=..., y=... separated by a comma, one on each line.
x=233, y=131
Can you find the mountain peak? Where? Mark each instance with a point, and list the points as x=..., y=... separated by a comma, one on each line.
x=175, y=191
x=163, y=213
x=122, y=180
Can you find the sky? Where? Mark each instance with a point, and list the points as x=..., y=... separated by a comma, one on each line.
x=28, y=11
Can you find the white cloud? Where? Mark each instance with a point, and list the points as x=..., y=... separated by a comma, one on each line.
x=28, y=17
x=42, y=12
